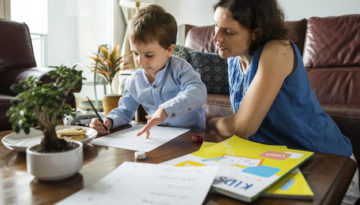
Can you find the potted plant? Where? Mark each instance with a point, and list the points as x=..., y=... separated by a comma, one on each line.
x=41, y=106
x=108, y=64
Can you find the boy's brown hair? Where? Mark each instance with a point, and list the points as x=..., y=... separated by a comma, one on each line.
x=153, y=23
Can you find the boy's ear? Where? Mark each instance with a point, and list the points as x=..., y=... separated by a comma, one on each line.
x=170, y=50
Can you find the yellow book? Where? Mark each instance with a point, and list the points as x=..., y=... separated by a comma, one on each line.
x=293, y=185
x=246, y=169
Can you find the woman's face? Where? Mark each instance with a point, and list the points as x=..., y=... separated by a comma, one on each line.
x=231, y=37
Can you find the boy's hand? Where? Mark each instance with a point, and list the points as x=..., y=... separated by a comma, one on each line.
x=96, y=124
x=156, y=118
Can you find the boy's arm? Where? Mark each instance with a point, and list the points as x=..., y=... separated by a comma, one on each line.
x=192, y=96
x=125, y=111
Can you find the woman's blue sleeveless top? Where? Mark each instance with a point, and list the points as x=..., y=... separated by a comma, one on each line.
x=295, y=118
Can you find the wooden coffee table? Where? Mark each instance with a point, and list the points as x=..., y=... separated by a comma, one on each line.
x=328, y=175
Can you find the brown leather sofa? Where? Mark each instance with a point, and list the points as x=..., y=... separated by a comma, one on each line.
x=17, y=62
x=330, y=48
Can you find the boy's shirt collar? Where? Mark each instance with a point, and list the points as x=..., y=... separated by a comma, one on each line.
x=159, y=74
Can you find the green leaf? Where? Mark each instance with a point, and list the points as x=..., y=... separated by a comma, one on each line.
x=26, y=129
x=17, y=88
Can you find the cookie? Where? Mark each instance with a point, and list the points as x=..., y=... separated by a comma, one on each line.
x=71, y=131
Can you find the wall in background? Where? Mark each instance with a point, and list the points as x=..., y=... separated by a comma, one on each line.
x=77, y=28
x=62, y=33
x=299, y=9
x=195, y=12
x=33, y=12
x=200, y=12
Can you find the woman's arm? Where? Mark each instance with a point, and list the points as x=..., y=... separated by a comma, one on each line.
x=275, y=64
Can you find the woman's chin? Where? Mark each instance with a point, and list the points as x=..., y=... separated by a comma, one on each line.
x=224, y=54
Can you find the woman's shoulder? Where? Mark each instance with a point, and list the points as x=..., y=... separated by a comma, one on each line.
x=277, y=50
x=278, y=46
x=278, y=55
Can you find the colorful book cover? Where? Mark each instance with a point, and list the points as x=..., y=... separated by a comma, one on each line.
x=246, y=169
x=293, y=185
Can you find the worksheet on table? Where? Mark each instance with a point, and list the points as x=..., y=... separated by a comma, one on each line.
x=127, y=139
x=152, y=184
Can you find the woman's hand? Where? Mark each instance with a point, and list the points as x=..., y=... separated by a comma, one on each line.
x=211, y=127
x=156, y=118
x=96, y=124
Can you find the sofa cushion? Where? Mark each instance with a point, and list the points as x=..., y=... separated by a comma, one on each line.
x=182, y=52
x=336, y=85
x=297, y=32
x=11, y=76
x=201, y=39
x=213, y=71
x=332, y=42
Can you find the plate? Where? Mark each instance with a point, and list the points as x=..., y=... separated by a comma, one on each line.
x=20, y=141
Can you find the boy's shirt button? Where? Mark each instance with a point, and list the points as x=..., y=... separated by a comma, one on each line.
x=173, y=115
x=154, y=86
x=189, y=109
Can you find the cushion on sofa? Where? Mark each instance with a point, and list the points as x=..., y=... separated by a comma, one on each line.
x=182, y=52
x=201, y=39
x=332, y=42
x=297, y=32
x=336, y=85
x=213, y=71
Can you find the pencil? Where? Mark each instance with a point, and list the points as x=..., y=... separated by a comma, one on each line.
x=98, y=116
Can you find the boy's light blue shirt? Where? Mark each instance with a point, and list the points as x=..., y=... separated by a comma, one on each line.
x=177, y=88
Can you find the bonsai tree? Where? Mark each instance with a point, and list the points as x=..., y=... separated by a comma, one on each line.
x=42, y=105
x=108, y=64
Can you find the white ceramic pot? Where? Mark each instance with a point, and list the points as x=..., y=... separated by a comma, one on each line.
x=54, y=166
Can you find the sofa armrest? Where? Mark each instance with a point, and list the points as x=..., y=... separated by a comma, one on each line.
x=13, y=76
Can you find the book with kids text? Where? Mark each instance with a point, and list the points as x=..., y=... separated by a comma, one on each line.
x=246, y=169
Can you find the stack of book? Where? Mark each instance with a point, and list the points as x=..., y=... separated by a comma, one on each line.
x=248, y=169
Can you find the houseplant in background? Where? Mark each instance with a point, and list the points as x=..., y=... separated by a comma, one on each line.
x=108, y=64
x=41, y=106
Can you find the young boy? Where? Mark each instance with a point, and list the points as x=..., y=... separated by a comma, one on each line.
x=168, y=88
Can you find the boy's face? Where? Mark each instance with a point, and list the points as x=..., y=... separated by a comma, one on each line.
x=151, y=57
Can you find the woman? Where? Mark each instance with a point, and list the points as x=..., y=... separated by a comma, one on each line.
x=270, y=92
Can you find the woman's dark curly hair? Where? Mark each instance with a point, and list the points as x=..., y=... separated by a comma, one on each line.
x=264, y=17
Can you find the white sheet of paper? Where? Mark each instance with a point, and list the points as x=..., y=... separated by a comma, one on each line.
x=127, y=139
x=143, y=183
